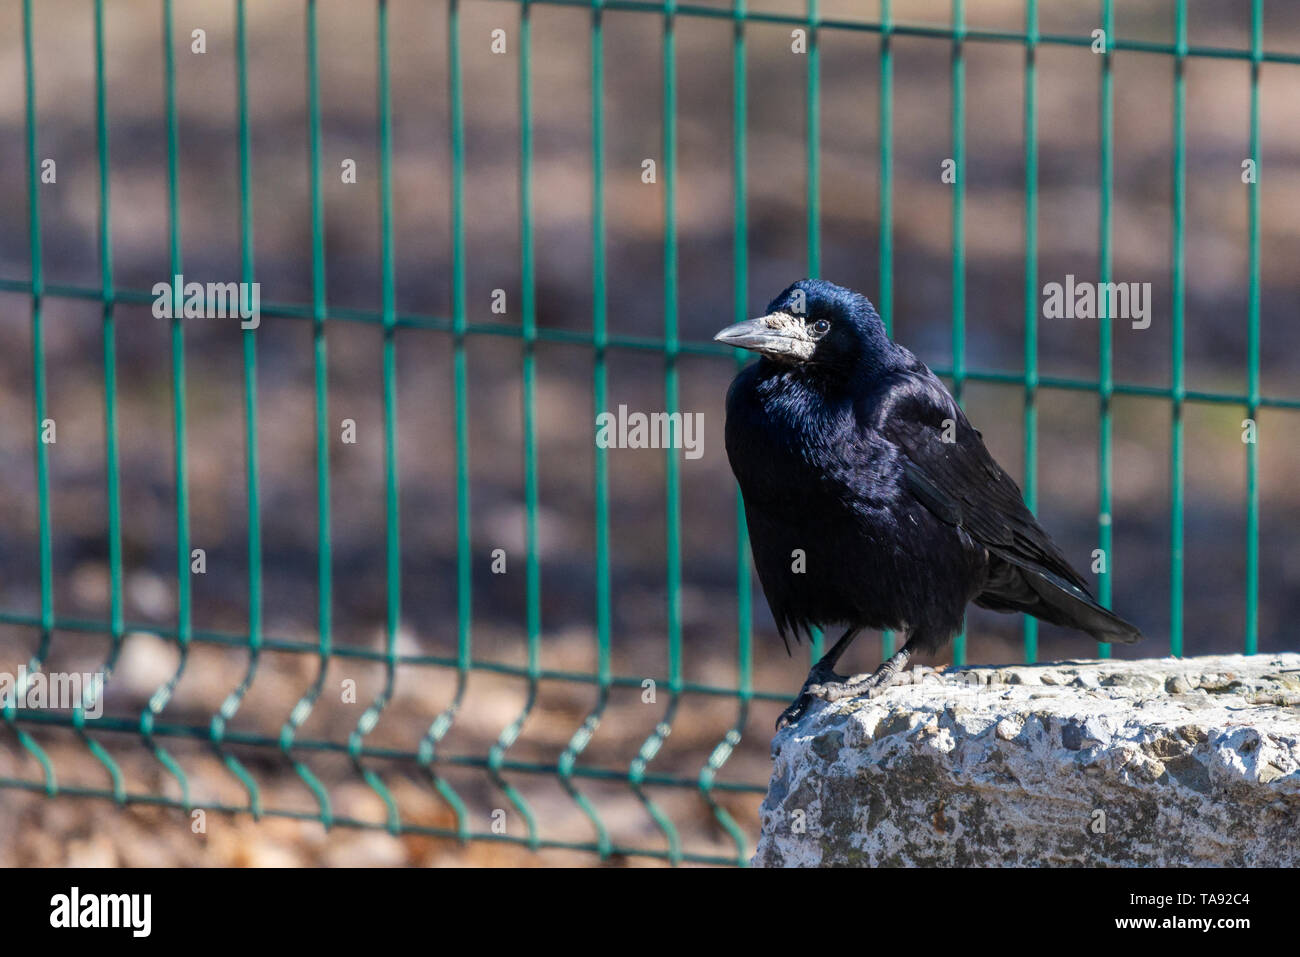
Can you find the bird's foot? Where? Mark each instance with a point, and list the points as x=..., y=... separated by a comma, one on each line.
x=820, y=679
x=825, y=684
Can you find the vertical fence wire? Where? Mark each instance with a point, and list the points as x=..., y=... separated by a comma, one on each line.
x=1252, y=343
x=959, y=239
x=112, y=476
x=1031, y=288
x=600, y=468
x=812, y=143
x=740, y=312
x=44, y=534
x=392, y=513
x=442, y=723
x=320, y=397
x=1177, y=305
x=229, y=707
x=740, y=300
x=672, y=481
x=1105, y=365
x=184, y=612
x=532, y=566
x=885, y=297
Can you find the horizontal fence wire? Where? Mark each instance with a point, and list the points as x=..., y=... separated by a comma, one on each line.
x=152, y=726
x=588, y=340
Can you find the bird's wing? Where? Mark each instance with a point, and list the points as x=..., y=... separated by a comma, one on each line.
x=948, y=470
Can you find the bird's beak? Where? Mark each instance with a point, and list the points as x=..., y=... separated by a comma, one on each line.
x=779, y=335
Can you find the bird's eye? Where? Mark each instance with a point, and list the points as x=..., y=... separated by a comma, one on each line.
x=821, y=327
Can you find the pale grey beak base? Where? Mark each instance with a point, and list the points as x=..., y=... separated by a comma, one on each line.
x=752, y=334
x=778, y=335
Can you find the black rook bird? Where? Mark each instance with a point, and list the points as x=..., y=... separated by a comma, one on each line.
x=871, y=500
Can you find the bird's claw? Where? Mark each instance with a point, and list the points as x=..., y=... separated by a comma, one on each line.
x=793, y=712
x=825, y=686
x=832, y=687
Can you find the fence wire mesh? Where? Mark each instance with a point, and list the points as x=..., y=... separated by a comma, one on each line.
x=563, y=758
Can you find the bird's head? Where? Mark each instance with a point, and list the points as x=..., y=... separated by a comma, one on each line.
x=827, y=329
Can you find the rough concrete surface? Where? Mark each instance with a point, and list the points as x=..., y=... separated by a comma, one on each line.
x=1178, y=762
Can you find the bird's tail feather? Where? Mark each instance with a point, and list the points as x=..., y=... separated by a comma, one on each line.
x=1046, y=595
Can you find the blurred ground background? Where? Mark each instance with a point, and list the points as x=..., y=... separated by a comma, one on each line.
x=34, y=830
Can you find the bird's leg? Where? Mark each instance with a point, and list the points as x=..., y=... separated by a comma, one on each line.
x=820, y=677
x=824, y=683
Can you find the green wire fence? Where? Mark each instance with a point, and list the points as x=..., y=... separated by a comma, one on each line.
x=568, y=767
